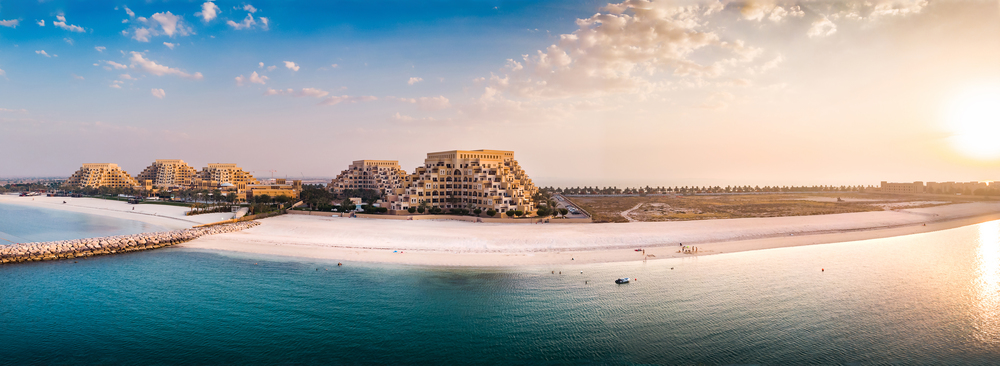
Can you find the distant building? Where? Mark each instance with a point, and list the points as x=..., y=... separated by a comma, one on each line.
x=216, y=175
x=385, y=176
x=485, y=179
x=167, y=173
x=277, y=189
x=915, y=187
x=955, y=187
x=101, y=175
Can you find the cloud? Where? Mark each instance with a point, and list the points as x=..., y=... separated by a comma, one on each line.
x=319, y=93
x=170, y=45
x=249, y=8
x=116, y=65
x=265, y=23
x=247, y=23
x=414, y=80
x=165, y=23
x=6, y=110
x=69, y=27
x=159, y=93
x=43, y=53
x=208, y=11
x=41, y=23
x=3, y=73
x=126, y=77
x=149, y=66
x=271, y=68
x=334, y=66
x=254, y=78
x=78, y=77
x=100, y=48
x=291, y=66
x=68, y=40
x=12, y=23
x=130, y=13
x=821, y=27
x=633, y=47
x=780, y=13
x=261, y=65
x=334, y=100
x=427, y=103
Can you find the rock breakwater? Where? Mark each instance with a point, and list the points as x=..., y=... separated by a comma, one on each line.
x=78, y=248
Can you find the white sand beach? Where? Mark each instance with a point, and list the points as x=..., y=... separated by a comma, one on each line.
x=170, y=217
x=456, y=243
x=453, y=243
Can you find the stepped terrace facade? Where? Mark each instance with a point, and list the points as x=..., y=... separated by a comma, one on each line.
x=385, y=176
x=101, y=175
x=484, y=179
x=167, y=173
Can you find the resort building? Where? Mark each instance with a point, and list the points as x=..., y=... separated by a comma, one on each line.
x=955, y=187
x=385, y=176
x=219, y=175
x=167, y=173
x=915, y=187
x=277, y=189
x=469, y=179
x=101, y=175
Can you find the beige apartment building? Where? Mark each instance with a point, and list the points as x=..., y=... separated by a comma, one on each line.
x=167, y=173
x=915, y=187
x=279, y=188
x=102, y=175
x=223, y=175
x=955, y=187
x=485, y=179
x=385, y=176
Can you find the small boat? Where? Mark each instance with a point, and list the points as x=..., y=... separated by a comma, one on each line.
x=622, y=280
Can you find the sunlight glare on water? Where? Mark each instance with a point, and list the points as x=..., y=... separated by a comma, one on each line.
x=987, y=283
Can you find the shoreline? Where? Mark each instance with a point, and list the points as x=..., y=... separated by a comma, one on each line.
x=298, y=237
x=167, y=216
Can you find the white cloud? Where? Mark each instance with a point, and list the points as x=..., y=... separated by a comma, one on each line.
x=78, y=77
x=271, y=68
x=129, y=12
x=821, y=27
x=100, y=48
x=334, y=100
x=170, y=45
x=414, y=80
x=149, y=66
x=159, y=93
x=780, y=13
x=291, y=66
x=62, y=24
x=68, y=40
x=12, y=23
x=265, y=23
x=126, y=77
x=3, y=73
x=254, y=78
x=634, y=47
x=116, y=65
x=261, y=65
x=41, y=23
x=116, y=86
x=334, y=66
x=165, y=23
x=43, y=53
x=249, y=8
x=22, y=110
x=247, y=23
x=208, y=11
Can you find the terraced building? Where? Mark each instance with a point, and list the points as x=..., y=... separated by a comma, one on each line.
x=385, y=176
x=167, y=173
x=101, y=175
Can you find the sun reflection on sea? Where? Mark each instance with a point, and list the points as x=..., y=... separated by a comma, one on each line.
x=988, y=283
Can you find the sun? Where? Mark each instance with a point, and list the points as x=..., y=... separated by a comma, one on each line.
x=974, y=121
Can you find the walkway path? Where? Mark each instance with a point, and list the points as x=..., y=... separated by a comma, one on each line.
x=626, y=213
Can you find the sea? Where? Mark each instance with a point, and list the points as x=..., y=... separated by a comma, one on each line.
x=924, y=299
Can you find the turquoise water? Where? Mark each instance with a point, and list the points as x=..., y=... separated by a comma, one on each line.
x=22, y=224
x=924, y=299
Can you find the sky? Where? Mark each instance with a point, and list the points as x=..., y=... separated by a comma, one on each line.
x=584, y=92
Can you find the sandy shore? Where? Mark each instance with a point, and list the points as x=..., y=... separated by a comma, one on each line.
x=452, y=243
x=170, y=217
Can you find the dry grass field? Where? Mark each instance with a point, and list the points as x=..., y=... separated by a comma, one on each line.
x=609, y=209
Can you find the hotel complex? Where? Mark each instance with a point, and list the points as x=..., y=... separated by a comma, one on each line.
x=174, y=174
x=934, y=187
x=484, y=179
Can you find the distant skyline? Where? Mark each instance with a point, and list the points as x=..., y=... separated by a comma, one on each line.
x=585, y=93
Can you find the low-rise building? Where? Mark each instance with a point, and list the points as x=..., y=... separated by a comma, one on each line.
x=279, y=188
x=915, y=187
x=101, y=175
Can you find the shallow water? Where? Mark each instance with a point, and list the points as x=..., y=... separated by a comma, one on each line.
x=22, y=224
x=930, y=298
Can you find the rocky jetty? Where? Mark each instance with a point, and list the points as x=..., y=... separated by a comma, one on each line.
x=69, y=249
